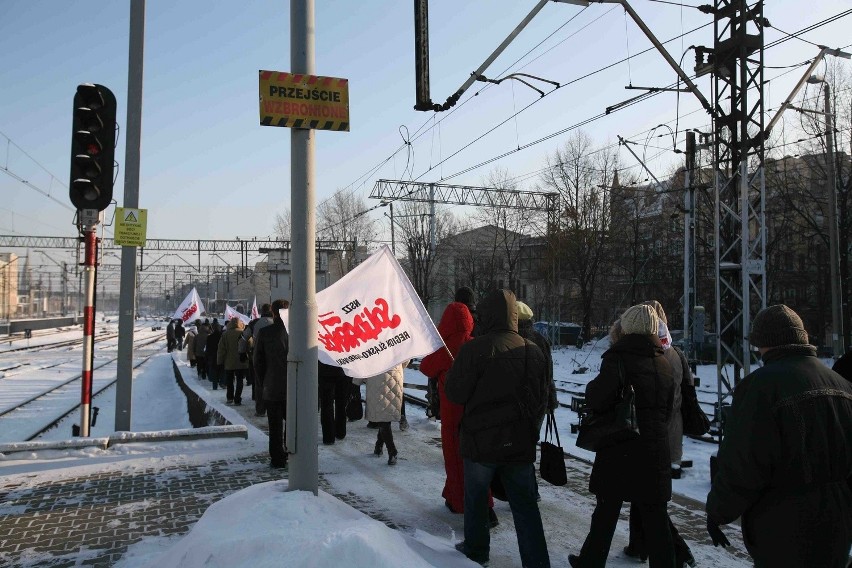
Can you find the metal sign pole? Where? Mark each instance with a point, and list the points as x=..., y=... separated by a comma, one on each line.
x=90, y=238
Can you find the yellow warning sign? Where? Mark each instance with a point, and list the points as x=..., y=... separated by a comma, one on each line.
x=304, y=101
x=131, y=226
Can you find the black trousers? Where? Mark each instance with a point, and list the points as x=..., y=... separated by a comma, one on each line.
x=276, y=413
x=333, y=396
x=637, y=536
x=385, y=437
x=234, y=380
x=655, y=522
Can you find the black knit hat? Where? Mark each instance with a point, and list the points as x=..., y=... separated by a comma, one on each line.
x=776, y=326
x=465, y=296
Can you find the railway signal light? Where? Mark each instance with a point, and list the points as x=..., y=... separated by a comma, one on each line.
x=92, y=147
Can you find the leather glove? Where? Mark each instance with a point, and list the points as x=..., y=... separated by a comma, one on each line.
x=716, y=534
x=243, y=357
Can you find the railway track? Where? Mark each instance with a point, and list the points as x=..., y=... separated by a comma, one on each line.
x=34, y=405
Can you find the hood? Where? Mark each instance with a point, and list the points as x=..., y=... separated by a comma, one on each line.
x=456, y=319
x=498, y=311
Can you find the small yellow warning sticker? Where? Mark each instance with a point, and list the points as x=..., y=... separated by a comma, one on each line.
x=131, y=226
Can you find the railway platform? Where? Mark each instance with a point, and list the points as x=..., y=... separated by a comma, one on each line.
x=91, y=511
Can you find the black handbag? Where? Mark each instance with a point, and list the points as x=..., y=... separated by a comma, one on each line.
x=354, y=407
x=600, y=430
x=695, y=422
x=552, y=464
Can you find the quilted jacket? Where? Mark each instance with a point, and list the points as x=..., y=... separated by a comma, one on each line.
x=384, y=394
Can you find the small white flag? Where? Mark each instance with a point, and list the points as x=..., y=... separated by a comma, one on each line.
x=254, y=313
x=190, y=309
x=231, y=313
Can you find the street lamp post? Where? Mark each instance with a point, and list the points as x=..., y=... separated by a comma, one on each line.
x=833, y=248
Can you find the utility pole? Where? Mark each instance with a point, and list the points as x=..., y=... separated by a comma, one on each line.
x=302, y=397
x=127, y=298
x=833, y=248
x=689, y=242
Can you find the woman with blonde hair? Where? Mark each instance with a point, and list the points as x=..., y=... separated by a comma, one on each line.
x=638, y=469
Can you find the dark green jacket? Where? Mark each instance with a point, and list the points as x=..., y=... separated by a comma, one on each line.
x=500, y=379
x=785, y=464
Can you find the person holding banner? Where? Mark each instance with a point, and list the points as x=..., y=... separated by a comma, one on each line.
x=384, y=405
x=334, y=390
x=270, y=364
x=499, y=377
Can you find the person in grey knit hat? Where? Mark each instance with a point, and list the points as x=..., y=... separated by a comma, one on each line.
x=785, y=462
x=777, y=326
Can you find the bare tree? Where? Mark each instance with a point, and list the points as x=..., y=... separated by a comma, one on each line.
x=283, y=224
x=343, y=217
x=412, y=225
x=582, y=176
x=513, y=225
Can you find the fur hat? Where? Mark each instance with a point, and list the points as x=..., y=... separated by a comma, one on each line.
x=641, y=319
x=776, y=326
x=524, y=311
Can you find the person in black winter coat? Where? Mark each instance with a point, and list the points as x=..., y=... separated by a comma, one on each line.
x=785, y=463
x=334, y=389
x=211, y=352
x=637, y=470
x=843, y=366
x=170, y=336
x=180, y=332
x=270, y=363
x=500, y=379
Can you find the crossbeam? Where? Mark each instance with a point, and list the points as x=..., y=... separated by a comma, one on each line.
x=397, y=190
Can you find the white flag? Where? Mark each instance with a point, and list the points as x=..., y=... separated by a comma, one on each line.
x=190, y=309
x=254, y=313
x=372, y=319
x=231, y=313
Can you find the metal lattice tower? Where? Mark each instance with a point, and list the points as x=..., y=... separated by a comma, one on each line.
x=740, y=236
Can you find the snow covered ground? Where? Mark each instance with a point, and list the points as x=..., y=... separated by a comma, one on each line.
x=361, y=497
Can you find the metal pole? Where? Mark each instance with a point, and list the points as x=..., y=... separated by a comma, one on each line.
x=91, y=240
x=127, y=299
x=688, y=245
x=836, y=305
x=393, y=239
x=302, y=417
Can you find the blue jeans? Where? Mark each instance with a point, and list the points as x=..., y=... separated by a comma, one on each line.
x=520, y=484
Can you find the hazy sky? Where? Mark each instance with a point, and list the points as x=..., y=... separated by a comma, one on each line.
x=209, y=170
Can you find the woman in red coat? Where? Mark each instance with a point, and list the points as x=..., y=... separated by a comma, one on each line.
x=455, y=328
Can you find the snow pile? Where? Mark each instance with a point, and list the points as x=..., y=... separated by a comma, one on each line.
x=267, y=526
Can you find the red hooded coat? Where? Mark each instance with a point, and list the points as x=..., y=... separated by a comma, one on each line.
x=455, y=328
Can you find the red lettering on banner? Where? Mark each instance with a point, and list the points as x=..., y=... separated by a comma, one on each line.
x=339, y=336
x=187, y=313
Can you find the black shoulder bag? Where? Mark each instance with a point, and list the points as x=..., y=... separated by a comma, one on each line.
x=552, y=464
x=695, y=422
x=600, y=430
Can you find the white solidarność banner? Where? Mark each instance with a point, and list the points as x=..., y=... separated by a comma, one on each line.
x=372, y=319
x=190, y=308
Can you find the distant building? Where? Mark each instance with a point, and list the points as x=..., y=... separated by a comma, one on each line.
x=8, y=285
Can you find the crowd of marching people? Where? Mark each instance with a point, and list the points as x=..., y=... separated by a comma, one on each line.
x=784, y=465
